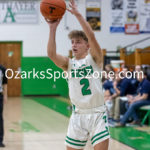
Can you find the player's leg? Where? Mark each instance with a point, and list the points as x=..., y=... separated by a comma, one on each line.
x=102, y=145
x=77, y=136
x=100, y=133
x=117, y=108
x=70, y=148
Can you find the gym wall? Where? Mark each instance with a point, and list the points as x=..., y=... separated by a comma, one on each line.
x=34, y=39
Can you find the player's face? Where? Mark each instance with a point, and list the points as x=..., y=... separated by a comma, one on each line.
x=79, y=47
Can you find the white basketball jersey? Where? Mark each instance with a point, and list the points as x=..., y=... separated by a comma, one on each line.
x=85, y=87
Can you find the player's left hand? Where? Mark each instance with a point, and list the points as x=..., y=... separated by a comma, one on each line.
x=73, y=8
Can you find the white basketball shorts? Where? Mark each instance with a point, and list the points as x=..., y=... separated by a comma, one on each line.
x=85, y=124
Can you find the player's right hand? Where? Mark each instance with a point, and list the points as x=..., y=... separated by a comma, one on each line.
x=53, y=23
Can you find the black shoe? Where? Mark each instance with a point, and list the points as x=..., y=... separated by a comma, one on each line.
x=2, y=145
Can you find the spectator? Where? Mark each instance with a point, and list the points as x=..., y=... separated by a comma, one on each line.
x=135, y=102
x=138, y=68
x=126, y=86
x=108, y=68
x=111, y=97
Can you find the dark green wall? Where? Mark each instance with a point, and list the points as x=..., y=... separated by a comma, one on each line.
x=31, y=86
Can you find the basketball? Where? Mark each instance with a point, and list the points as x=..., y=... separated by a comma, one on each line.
x=52, y=9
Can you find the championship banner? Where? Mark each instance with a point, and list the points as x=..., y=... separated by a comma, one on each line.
x=145, y=16
x=117, y=16
x=93, y=14
x=132, y=16
x=19, y=12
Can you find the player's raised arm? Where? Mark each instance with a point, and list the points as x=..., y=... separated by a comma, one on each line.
x=95, y=49
x=59, y=60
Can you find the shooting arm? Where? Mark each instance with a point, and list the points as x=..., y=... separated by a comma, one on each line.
x=59, y=60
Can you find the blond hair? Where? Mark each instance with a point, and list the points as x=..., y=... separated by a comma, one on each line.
x=77, y=34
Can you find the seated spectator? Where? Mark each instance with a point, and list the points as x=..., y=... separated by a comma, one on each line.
x=111, y=97
x=138, y=68
x=147, y=70
x=126, y=86
x=135, y=102
x=108, y=68
x=122, y=88
x=116, y=97
x=108, y=91
x=108, y=85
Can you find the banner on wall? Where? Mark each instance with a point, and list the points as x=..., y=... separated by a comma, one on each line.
x=93, y=14
x=145, y=16
x=132, y=16
x=19, y=12
x=117, y=16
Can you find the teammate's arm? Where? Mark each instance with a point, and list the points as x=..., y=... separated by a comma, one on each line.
x=95, y=49
x=59, y=60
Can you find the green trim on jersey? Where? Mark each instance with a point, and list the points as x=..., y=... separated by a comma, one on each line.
x=84, y=72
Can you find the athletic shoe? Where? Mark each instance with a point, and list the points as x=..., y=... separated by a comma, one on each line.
x=134, y=123
x=118, y=125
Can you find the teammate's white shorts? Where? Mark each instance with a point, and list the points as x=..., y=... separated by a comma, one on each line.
x=85, y=124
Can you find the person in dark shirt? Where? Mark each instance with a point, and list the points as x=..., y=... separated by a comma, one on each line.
x=108, y=85
x=126, y=84
x=111, y=94
x=3, y=99
x=116, y=97
x=126, y=87
x=135, y=102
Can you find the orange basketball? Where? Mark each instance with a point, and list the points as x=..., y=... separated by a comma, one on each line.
x=52, y=9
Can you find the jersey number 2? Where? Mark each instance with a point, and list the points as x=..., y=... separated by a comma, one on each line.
x=85, y=90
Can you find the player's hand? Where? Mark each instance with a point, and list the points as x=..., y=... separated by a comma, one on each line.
x=73, y=8
x=53, y=23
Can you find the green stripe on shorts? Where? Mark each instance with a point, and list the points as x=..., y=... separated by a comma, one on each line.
x=75, y=140
x=75, y=143
x=99, y=134
x=100, y=138
x=74, y=107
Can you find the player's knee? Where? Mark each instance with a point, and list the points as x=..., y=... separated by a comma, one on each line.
x=102, y=145
x=70, y=148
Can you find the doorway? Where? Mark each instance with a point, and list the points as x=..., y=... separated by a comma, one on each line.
x=10, y=58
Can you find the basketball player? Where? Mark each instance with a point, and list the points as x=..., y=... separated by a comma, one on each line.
x=3, y=99
x=88, y=120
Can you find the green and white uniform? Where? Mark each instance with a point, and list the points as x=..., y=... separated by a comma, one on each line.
x=89, y=112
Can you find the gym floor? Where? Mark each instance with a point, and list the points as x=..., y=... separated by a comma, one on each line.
x=41, y=124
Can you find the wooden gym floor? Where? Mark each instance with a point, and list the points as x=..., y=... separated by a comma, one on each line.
x=30, y=125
